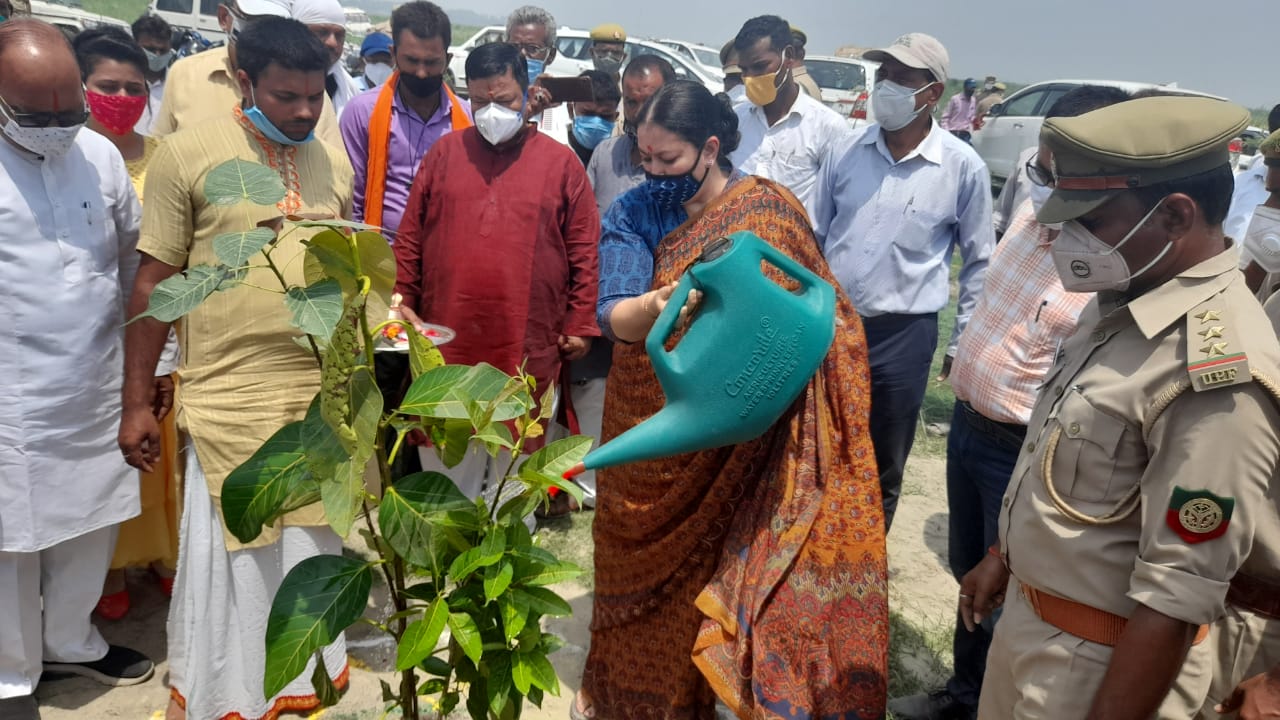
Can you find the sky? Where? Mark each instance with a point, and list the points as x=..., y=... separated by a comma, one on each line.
x=1214, y=46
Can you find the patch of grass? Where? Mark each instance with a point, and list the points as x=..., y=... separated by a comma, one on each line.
x=939, y=401
x=126, y=10
x=569, y=538
x=919, y=655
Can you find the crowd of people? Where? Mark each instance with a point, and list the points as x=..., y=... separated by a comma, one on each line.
x=1115, y=435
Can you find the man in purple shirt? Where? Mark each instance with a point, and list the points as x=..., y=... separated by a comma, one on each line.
x=959, y=115
x=422, y=111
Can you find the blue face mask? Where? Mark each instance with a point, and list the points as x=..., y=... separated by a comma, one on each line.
x=536, y=67
x=670, y=192
x=591, y=130
x=268, y=128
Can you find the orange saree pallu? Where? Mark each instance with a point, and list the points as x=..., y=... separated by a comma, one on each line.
x=757, y=572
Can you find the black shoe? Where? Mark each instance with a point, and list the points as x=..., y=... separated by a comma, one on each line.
x=22, y=707
x=120, y=666
x=937, y=705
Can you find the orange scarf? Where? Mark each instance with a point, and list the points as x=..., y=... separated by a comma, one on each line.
x=380, y=144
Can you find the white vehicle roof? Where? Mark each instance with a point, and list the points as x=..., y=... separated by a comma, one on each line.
x=1126, y=85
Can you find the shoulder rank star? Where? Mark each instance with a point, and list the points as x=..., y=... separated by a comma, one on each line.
x=1198, y=515
x=1214, y=360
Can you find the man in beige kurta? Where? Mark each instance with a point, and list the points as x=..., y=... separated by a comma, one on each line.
x=243, y=376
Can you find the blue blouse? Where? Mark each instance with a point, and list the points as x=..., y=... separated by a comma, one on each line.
x=631, y=231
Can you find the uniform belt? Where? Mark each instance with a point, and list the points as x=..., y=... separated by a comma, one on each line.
x=1254, y=594
x=1083, y=621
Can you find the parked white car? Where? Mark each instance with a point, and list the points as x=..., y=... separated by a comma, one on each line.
x=573, y=44
x=707, y=58
x=846, y=85
x=562, y=66
x=200, y=16
x=1014, y=125
x=71, y=19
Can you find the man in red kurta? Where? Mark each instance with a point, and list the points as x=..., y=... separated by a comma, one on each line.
x=498, y=241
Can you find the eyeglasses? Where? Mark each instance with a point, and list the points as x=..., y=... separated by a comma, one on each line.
x=1038, y=174
x=535, y=52
x=609, y=53
x=67, y=118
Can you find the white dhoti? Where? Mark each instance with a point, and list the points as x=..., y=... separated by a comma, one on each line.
x=588, y=405
x=66, y=580
x=218, y=616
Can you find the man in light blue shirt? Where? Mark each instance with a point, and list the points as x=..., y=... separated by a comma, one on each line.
x=892, y=205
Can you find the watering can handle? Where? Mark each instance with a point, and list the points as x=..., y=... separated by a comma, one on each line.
x=784, y=262
x=664, y=325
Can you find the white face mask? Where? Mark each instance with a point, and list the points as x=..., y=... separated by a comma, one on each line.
x=1086, y=264
x=46, y=141
x=1262, y=239
x=895, y=105
x=498, y=123
x=377, y=73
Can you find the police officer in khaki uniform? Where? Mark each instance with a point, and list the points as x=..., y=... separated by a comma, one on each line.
x=1150, y=450
x=798, y=71
x=1244, y=644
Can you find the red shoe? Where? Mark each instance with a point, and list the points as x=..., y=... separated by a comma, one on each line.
x=165, y=583
x=114, y=606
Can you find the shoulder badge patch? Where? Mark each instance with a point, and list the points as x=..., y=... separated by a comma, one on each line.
x=1198, y=515
x=1215, y=357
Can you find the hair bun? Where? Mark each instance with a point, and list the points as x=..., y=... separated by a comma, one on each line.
x=728, y=125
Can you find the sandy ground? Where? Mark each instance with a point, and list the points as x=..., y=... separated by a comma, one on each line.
x=922, y=593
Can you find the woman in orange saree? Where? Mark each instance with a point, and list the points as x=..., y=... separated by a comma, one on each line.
x=754, y=573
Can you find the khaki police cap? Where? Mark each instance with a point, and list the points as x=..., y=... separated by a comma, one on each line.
x=1133, y=144
x=609, y=32
x=1270, y=148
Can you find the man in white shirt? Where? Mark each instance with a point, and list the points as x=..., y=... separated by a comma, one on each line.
x=327, y=21
x=155, y=36
x=893, y=204
x=68, y=229
x=1250, y=192
x=786, y=135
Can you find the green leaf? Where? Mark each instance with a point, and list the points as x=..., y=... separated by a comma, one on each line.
x=520, y=506
x=436, y=666
x=316, y=308
x=324, y=450
x=329, y=255
x=521, y=672
x=488, y=553
x=497, y=578
x=388, y=695
x=343, y=492
x=543, y=674
x=555, y=458
x=344, y=224
x=535, y=697
x=466, y=634
x=425, y=592
x=543, y=601
x=235, y=181
x=235, y=248
x=423, y=354
x=496, y=434
x=450, y=440
x=273, y=481
x=181, y=293
x=443, y=393
x=319, y=598
x=498, y=682
x=326, y=693
x=515, y=614
x=411, y=513
x=557, y=573
x=420, y=638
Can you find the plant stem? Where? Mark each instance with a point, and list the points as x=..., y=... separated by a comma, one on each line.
x=502, y=484
x=271, y=264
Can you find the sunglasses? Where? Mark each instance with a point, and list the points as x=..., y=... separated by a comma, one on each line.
x=67, y=118
x=1038, y=174
x=608, y=53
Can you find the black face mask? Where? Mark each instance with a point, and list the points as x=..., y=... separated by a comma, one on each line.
x=422, y=87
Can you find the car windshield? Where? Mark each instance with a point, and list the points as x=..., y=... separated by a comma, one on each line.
x=707, y=57
x=835, y=75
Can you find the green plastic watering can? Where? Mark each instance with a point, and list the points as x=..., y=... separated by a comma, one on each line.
x=750, y=352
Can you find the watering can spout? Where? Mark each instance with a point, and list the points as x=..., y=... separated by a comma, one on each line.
x=764, y=325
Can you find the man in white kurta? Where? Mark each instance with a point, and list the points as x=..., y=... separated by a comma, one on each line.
x=69, y=223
